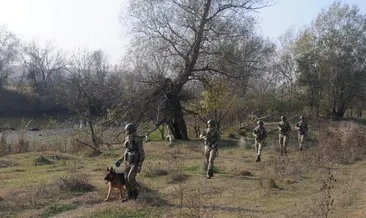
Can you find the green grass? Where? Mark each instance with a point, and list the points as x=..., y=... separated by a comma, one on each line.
x=194, y=168
x=58, y=208
x=155, y=136
x=128, y=213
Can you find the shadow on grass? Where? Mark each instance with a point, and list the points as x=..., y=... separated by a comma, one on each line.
x=150, y=197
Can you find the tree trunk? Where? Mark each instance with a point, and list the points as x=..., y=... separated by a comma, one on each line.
x=176, y=123
x=338, y=113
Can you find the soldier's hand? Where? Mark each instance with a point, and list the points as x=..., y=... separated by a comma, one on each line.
x=138, y=169
x=118, y=163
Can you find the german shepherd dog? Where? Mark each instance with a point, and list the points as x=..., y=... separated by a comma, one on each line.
x=115, y=180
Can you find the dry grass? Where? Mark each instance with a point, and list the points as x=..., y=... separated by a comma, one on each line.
x=173, y=183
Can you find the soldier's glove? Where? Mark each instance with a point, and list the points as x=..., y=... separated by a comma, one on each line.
x=118, y=163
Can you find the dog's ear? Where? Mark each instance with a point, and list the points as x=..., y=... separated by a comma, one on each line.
x=112, y=169
x=107, y=169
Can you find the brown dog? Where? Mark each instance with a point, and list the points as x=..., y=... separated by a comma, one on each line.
x=115, y=180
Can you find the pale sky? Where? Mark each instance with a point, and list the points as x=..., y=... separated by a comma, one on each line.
x=94, y=24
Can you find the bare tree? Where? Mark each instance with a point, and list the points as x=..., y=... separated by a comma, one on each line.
x=9, y=48
x=191, y=36
x=42, y=66
x=93, y=92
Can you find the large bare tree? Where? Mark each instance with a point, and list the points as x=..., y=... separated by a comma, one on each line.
x=194, y=39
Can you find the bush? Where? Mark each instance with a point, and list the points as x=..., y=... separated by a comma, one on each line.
x=241, y=172
x=42, y=160
x=153, y=170
x=177, y=177
x=341, y=142
x=74, y=183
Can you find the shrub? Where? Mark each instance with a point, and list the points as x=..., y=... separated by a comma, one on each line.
x=74, y=183
x=241, y=172
x=177, y=177
x=154, y=170
x=42, y=160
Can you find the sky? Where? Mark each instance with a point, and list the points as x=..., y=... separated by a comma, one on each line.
x=95, y=24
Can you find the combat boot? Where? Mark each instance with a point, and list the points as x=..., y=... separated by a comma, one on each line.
x=209, y=174
x=258, y=159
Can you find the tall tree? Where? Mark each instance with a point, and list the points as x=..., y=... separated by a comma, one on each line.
x=334, y=58
x=9, y=49
x=197, y=38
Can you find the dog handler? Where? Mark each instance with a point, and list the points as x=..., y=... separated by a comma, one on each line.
x=134, y=157
x=211, y=136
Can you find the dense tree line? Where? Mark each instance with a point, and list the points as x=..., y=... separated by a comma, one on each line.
x=194, y=60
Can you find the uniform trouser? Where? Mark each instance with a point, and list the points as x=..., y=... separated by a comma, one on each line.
x=130, y=176
x=283, y=142
x=258, y=144
x=300, y=138
x=210, y=154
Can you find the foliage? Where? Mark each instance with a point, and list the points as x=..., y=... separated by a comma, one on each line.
x=331, y=55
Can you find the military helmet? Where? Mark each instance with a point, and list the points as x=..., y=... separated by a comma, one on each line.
x=260, y=122
x=211, y=123
x=283, y=117
x=130, y=128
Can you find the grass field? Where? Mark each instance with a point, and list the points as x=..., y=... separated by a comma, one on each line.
x=315, y=182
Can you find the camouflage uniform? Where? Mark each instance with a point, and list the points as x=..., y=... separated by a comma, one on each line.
x=260, y=135
x=302, y=130
x=284, y=132
x=134, y=156
x=210, y=136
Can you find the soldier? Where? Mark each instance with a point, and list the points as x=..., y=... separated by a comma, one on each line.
x=210, y=136
x=260, y=134
x=284, y=131
x=134, y=157
x=302, y=131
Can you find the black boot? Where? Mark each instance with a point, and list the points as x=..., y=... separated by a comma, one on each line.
x=129, y=195
x=209, y=174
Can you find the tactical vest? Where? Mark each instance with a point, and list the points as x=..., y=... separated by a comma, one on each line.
x=303, y=128
x=261, y=133
x=211, y=137
x=285, y=128
x=132, y=154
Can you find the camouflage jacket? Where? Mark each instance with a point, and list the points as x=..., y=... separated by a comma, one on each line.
x=260, y=133
x=134, y=153
x=302, y=127
x=210, y=137
x=284, y=128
